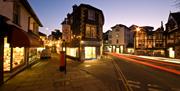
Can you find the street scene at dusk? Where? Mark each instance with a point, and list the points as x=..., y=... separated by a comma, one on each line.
x=90, y=45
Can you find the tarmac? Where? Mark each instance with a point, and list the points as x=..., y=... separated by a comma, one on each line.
x=92, y=75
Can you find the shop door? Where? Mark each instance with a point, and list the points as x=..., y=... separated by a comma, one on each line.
x=90, y=52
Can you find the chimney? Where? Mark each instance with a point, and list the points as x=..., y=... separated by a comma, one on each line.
x=74, y=7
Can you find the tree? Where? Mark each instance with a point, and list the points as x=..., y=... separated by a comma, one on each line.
x=57, y=34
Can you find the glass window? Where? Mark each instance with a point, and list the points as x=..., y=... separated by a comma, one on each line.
x=16, y=13
x=93, y=30
x=7, y=55
x=33, y=55
x=91, y=15
x=18, y=56
x=90, y=52
x=90, y=31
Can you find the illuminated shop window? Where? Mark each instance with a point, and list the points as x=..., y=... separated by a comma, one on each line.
x=72, y=52
x=18, y=56
x=130, y=50
x=7, y=55
x=121, y=49
x=33, y=54
x=171, y=53
x=90, y=52
x=117, y=50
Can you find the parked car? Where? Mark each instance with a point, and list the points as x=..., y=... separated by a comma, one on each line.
x=45, y=54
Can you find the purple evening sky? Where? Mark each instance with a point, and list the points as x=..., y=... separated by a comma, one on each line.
x=140, y=12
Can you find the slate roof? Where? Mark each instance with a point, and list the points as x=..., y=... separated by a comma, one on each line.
x=176, y=16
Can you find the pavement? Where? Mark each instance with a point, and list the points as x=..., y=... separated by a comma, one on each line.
x=93, y=75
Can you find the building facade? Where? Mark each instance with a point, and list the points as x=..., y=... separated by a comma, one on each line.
x=106, y=43
x=173, y=35
x=121, y=39
x=84, y=28
x=19, y=37
x=149, y=42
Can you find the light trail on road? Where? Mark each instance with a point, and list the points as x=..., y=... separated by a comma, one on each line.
x=147, y=64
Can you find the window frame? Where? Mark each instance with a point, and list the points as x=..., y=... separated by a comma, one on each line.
x=16, y=13
x=91, y=15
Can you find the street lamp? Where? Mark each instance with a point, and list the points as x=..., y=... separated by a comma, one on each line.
x=138, y=29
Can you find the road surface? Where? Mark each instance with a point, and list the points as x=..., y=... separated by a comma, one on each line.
x=146, y=75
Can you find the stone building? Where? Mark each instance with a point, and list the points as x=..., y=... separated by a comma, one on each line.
x=173, y=35
x=121, y=39
x=84, y=27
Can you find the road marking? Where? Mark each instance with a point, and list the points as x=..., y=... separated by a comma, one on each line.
x=133, y=85
x=133, y=82
x=153, y=85
x=121, y=75
x=153, y=89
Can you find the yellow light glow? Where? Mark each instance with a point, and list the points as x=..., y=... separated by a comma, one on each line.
x=138, y=29
x=82, y=42
x=121, y=49
x=72, y=52
x=171, y=53
x=90, y=52
x=130, y=50
x=64, y=49
x=87, y=65
x=117, y=50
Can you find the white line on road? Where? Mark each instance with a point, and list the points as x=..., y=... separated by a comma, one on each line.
x=153, y=85
x=133, y=82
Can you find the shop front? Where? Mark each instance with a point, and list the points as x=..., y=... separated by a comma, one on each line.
x=17, y=46
x=13, y=59
x=33, y=56
x=90, y=52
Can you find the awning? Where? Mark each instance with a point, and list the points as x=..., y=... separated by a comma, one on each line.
x=20, y=38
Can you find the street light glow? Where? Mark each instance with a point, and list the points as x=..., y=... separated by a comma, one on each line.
x=138, y=29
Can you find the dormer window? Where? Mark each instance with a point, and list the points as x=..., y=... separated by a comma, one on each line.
x=91, y=15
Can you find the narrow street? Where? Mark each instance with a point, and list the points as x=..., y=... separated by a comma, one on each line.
x=146, y=78
x=92, y=75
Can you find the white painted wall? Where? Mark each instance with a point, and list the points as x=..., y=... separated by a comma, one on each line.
x=6, y=9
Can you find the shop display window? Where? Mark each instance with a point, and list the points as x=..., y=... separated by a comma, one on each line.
x=90, y=52
x=18, y=57
x=33, y=55
x=7, y=55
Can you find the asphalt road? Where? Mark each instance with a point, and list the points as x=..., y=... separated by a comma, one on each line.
x=144, y=78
